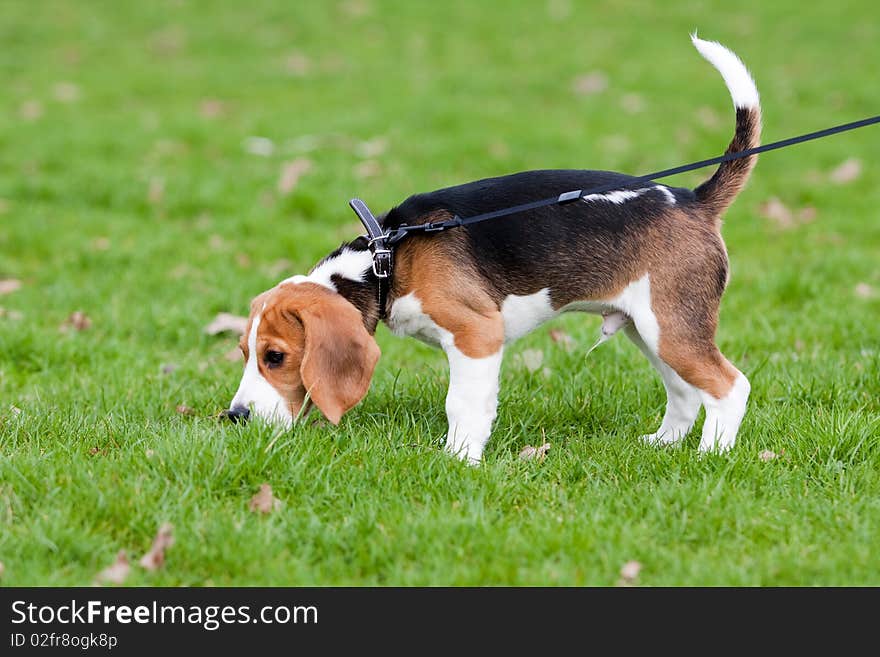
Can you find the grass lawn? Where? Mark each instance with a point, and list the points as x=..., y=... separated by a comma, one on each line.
x=142, y=147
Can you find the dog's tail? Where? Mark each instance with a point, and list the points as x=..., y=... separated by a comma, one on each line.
x=721, y=189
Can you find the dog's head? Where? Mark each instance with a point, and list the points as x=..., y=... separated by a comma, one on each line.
x=303, y=339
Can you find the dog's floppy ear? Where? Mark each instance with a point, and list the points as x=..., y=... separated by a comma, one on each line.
x=339, y=355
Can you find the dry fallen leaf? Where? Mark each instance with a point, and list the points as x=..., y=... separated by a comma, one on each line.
x=227, y=323
x=66, y=92
x=155, y=558
x=78, y=321
x=591, y=83
x=297, y=63
x=262, y=146
x=775, y=210
x=117, y=572
x=767, y=455
x=629, y=573
x=233, y=355
x=529, y=452
x=368, y=169
x=864, y=291
x=211, y=108
x=264, y=501
x=846, y=172
x=279, y=267
x=101, y=243
x=372, y=147
x=15, y=410
x=291, y=172
x=2, y=569
x=709, y=118
x=532, y=359
x=31, y=110
x=14, y=315
x=169, y=368
x=9, y=285
x=783, y=216
x=155, y=191
x=632, y=103
x=183, y=409
x=562, y=338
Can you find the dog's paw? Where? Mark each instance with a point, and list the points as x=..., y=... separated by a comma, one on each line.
x=464, y=452
x=662, y=438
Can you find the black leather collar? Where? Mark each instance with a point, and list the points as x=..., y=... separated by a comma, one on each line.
x=383, y=257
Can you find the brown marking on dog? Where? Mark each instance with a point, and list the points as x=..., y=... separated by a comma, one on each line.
x=443, y=275
x=327, y=350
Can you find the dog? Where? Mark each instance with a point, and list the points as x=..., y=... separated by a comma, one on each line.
x=648, y=257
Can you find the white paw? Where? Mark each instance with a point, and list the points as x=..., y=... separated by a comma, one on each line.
x=718, y=445
x=663, y=437
x=467, y=452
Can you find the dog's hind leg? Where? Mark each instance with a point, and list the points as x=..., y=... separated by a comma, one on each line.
x=682, y=399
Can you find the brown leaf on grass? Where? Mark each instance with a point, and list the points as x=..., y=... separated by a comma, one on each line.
x=155, y=558
x=356, y=8
x=101, y=243
x=262, y=146
x=15, y=410
x=562, y=338
x=708, y=117
x=532, y=359
x=14, y=315
x=775, y=210
x=78, y=321
x=291, y=172
x=95, y=451
x=372, y=147
x=227, y=323
x=211, y=108
x=9, y=285
x=115, y=573
x=846, y=172
x=767, y=455
x=264, y=501
x=183, y=409
x=368, y=169
x=156, y=190
x=629, y=573
x=632, y=103
x=279, y=267
x=31, y=110
x=169, y=368
x=2, y=569
x=297, y=63
x=529, y=452
x=233, y=355
x=590, y=83
x=783, y=216
x=66, y=92
x=864, y=291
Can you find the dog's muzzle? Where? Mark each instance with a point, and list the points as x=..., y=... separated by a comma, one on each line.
x=237, y=414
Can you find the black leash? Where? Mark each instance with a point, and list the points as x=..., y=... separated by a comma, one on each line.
x=382, y=241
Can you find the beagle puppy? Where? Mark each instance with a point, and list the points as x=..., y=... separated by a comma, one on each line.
x=648, y=257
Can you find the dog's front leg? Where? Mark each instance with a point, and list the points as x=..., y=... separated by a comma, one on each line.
x=472, y=402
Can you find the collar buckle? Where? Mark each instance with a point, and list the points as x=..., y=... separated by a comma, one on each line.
x=382, y=261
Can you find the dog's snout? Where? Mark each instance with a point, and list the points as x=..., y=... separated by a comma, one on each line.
x=238, y=414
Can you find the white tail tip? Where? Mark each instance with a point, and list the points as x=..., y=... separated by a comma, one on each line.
x=736, y=76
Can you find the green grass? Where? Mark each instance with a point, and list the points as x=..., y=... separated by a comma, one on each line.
x=98, y=458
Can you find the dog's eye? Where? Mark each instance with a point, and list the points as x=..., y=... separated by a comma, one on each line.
x=274, y=358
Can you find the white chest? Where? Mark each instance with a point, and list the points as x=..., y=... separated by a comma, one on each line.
x=406, y=318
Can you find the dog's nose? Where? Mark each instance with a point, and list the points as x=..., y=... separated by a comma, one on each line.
x=238, y=414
